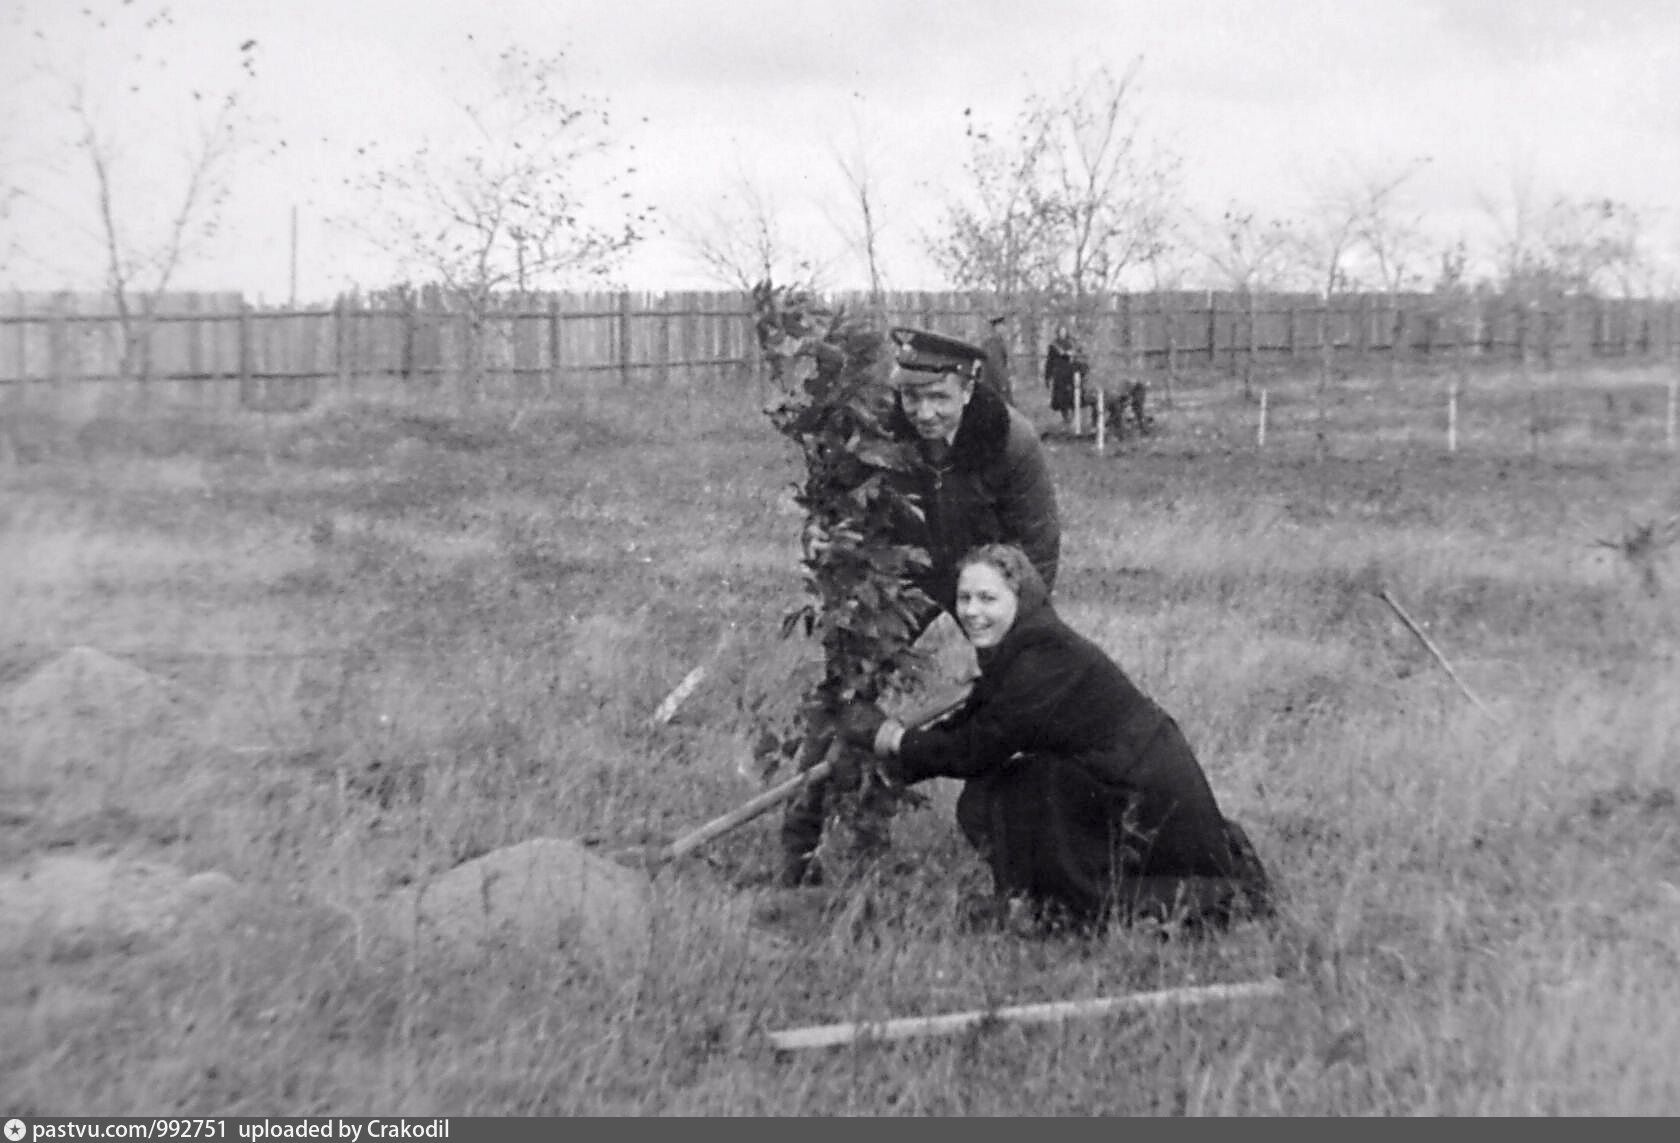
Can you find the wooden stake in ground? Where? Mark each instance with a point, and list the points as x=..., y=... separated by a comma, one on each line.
x=1429, y=646
x=683, y=691
x=667, y=710
x=1673, y=410
x=1260, y=435
x=833, y=1035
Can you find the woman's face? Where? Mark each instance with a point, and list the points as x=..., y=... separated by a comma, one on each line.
x=986, y=604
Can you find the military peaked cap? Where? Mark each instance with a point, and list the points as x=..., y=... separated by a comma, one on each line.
x=922, y=351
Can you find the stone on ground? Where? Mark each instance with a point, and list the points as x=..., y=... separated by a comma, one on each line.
x=86, y=900
x=543, y=894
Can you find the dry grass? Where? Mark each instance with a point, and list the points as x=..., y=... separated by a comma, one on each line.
x=394, y=639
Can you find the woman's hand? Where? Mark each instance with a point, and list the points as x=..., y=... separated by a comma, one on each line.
x=858, y=723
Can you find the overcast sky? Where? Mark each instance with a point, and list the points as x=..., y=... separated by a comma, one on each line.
x=1263, y=100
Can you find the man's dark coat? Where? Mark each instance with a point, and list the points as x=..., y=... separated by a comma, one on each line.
x=995, y=372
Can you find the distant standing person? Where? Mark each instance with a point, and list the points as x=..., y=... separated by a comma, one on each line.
x=995, y=371
x=1063, y=362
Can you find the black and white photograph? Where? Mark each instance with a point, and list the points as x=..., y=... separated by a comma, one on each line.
x=715, y=558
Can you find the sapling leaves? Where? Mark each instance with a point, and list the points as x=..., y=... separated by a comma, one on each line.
x=833, y=402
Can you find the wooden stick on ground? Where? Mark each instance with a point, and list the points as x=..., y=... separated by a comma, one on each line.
x=1429, y=646
x=831, y=1035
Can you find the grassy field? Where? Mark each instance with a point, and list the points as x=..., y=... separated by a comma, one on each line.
x=347, y=649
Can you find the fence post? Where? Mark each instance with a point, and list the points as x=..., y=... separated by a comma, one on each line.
x=1169, y=321
x=624, y=337
x=1135, y=339
x=1125, y=338
x=1460, y=349
x=554, y=346
x=1250, y=311
x=194, y=365
x=406, y=350
x=56, y=338
x=22, y=342
x=341, y=356
x=1324, y=352
x=1212, y=331
x=246, y=397
x=1530, y=381
x=664, y=341
x=1673, y=405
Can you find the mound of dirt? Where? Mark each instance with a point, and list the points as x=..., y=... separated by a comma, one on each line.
x=82, y=901
x=542, y=894
x=86, y=681
x=87, y=730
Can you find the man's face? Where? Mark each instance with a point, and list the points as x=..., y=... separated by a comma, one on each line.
x=935, y=407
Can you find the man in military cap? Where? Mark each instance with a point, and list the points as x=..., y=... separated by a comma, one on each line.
x=986, y=480
x=996, y=371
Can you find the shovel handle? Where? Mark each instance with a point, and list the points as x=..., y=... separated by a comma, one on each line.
x=785, y=791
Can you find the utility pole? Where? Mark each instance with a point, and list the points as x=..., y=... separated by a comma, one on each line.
x=292, y=303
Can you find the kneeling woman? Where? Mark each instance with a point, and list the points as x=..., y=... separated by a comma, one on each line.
x=1080, y=793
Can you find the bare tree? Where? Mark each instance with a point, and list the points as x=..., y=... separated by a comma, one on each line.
x=1389, y=226
x=1326, y=239
x=1389, y=232
x=1110, y=190
x=1515, y=217
x=739, y=238
x=860, y=222
x=998, y=234
x=1070, y=203
x=1553, y=249
x=150, y=207
x=1251, y=254
x=527, y=194
x=140, y=267
x=1593, y=246
x=1247, y=250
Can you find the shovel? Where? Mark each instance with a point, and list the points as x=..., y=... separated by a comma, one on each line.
x=917, y=716
x=946, y=681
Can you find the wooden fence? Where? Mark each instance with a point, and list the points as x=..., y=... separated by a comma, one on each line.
x=558, y=342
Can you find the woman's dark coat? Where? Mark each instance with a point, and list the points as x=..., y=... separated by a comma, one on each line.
x=1061, y=362
x=993, y=487
x=1080, y=792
